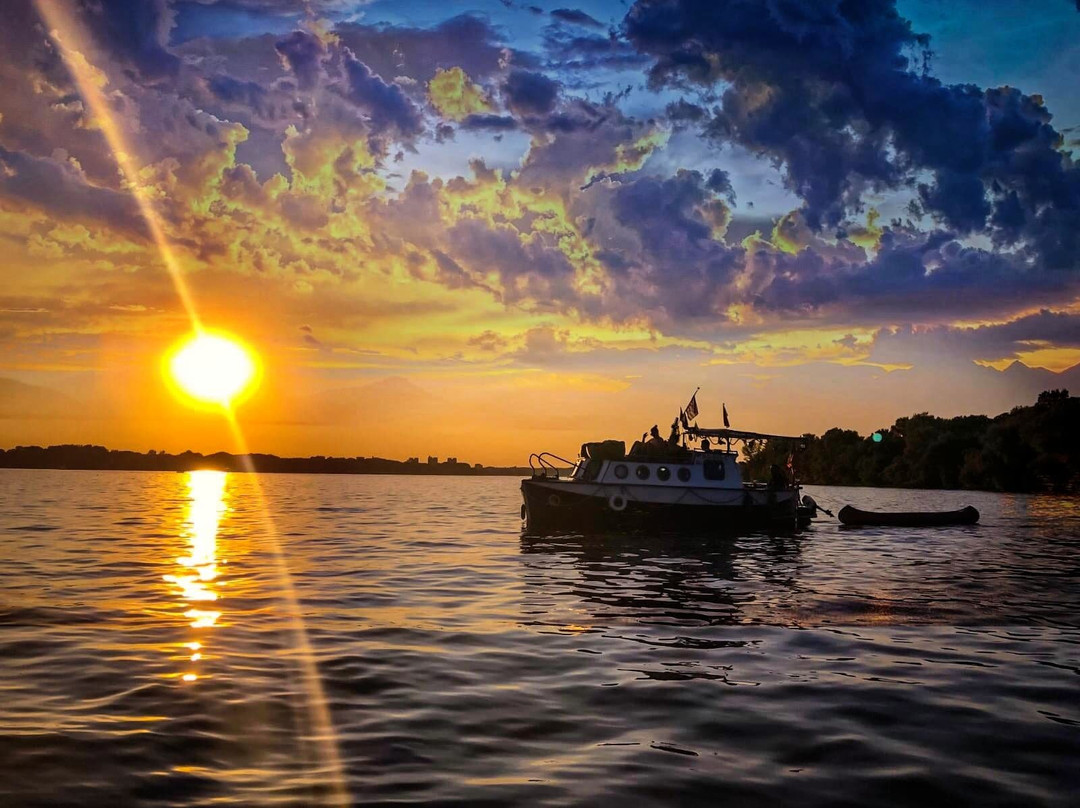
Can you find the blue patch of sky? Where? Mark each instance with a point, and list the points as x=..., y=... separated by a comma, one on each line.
x=1033, y=45
x=522, y=26
x=451, y=158
x=227, y=20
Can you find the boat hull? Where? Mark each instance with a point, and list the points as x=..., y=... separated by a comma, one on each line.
x=560, y=505
x=854, y=517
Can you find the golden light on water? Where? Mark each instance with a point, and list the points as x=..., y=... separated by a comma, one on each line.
x=211, y=368
x=199, y=568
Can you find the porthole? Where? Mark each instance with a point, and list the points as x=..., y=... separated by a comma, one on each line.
x=642, y=472
x=684, y=474
x=554, y=500
x=663, y=473
x=621, y=471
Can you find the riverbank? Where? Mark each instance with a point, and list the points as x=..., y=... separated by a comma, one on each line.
x=99, y=458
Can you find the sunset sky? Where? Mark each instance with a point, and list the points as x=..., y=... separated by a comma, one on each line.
x=488, y=228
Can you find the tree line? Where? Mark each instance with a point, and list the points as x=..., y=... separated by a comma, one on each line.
x=89, y=457
x=1028, y=449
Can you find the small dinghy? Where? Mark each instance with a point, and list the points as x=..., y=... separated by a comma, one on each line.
x=853, y=516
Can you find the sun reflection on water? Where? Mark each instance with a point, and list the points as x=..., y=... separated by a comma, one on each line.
x=198, y=575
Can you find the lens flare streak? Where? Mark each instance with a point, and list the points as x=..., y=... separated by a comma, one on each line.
x=71, y=42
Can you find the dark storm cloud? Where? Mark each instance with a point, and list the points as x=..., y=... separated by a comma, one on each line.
x=578, y=140
x=682, y=111
x=487, y=121
x=719, y=182
x=533, y=268
x=529, y=93
x=839, y=94
x=929, y=275
x=386, y=105
x=41, y=110
x=59, y=189
x=572, y=49
x=681, y=269
x=988, y=342
x=576, y=17
x=135, y=31
x=832, y=91
x=303, y=54
x=465, y=41
x=233, y=91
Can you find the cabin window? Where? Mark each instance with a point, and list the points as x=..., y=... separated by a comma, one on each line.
x=642, y=472
x=714, y=469
x=684, y=474
x=621, y=471
x=663, y=473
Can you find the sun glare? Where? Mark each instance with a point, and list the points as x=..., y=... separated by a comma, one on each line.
x=212, y=368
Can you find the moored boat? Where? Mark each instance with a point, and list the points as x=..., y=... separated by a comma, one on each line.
x=853, y=516
x=667, y=486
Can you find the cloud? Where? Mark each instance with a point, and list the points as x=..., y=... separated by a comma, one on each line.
x=135, y=31
x=580, y=139
x=576, y=17
x=495, y=122
x=467, y=41
x=593, y=221
x=528, y=265
x=303, y=54
x=572, y=49
x=60, y=189
x=489, y=341
x=840, y=95
x=529, y=93
x=989, y=342
x=455, y=96
x=386, y=105
x=661, y=254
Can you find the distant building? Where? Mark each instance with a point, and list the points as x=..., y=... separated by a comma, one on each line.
x=451, y=460
x=413, y=460
x=432, y=460
x=478, y=465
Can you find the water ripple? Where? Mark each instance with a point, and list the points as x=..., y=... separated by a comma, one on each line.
x=148, y=652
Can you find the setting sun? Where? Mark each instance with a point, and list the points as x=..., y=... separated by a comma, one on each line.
x=211, y=368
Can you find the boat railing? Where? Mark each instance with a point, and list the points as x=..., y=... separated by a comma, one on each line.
x=542, y=465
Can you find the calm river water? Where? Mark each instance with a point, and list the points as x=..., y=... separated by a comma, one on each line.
x=174, y=639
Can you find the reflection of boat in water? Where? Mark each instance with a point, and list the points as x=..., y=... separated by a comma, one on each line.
x=683, y=579
x=664, y=485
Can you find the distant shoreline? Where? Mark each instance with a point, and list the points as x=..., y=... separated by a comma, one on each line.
x=98, y=458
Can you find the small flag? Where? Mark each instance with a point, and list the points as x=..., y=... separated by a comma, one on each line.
x=727, y=423
x=691, y=408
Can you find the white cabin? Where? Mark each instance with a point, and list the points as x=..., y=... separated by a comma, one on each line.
x=717, y=469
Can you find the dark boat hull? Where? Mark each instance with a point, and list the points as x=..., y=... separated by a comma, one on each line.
x=548, y=509
x=853, y=516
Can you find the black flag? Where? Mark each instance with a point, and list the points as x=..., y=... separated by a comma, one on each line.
x=727, y=423
x=691, y=408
